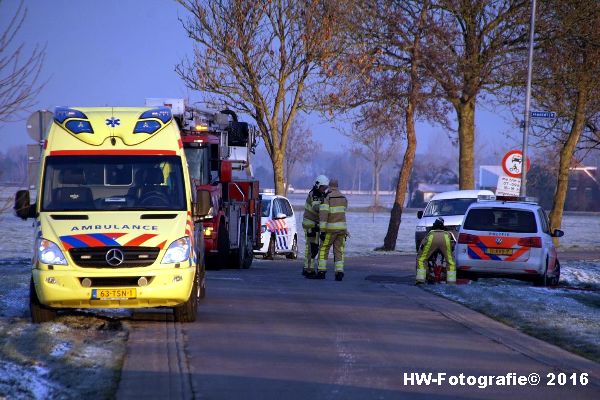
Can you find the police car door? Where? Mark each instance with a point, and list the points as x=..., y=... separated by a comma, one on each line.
x=290, y=221
x=280, y=225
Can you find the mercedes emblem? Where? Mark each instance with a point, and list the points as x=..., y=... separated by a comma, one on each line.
x=115, y=257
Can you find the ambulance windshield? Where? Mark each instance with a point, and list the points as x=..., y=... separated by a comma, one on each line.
x=106, y=183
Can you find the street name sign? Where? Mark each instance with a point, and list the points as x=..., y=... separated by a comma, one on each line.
x=542, y=114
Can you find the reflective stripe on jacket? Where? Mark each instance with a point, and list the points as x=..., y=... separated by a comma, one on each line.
x=332, y=212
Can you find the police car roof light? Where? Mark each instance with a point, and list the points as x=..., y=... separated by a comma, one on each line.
x=269, y=191
x=526, y=199
x=486, y=197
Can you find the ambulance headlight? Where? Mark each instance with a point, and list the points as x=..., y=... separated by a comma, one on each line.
x=49, y=253
x=178, y=251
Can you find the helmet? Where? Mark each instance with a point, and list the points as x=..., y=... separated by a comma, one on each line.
x=322, y=180
x=438, y=223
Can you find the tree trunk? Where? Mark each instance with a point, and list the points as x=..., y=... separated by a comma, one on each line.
x=278, y=174
x=566, y=155
x=389, y=243
x=466, y=141
x=376, y=174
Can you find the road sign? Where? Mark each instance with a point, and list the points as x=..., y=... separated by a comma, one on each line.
x=542, y=114
x=512, y=163
x=38, y=123
x=508, y=186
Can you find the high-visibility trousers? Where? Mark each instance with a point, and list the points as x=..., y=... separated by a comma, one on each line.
x=338, y=241
x=433, y=242
x=311, y=249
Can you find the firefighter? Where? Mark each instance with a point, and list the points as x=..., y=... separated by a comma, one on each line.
x=437, y=239
x=332, y=222
x=310, y=223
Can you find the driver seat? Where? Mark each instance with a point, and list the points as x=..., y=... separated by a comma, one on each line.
x=152, y=179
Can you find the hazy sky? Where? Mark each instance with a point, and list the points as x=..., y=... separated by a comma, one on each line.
x=119, y=52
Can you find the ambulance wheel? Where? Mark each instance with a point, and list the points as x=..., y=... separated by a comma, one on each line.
x=271, y=250
x=39, y=312
x=294, y=254
x=202, y=293
x=186, y=312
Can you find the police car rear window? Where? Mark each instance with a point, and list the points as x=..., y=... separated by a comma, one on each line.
x=500, y=220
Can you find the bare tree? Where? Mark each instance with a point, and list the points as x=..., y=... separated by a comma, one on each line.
x=300, y=148
x=471, y=51
x=375, y=143
x=260, y=58
x=567, y=63
x=383, y=65
x=19, y=71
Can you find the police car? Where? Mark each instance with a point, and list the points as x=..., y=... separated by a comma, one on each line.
x=278, y=227
x=508, y=238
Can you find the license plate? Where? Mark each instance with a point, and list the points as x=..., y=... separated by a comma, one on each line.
x=500, y=252
x=113, y=294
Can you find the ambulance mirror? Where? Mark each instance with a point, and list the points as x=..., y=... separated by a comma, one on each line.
x=420, y=214
x=23, y=208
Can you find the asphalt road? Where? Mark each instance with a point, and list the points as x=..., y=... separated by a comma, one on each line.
x=268, y=333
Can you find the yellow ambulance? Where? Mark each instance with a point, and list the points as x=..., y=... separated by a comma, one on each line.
x=114, y=215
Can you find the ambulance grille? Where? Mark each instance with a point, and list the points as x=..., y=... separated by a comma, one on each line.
x=95, y=257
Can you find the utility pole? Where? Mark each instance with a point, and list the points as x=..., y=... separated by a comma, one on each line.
x=523, y=191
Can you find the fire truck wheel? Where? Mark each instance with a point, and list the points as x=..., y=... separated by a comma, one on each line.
x=223, y=245
x=186, y=312
x=271, y=250
x=39, y=312
x=248, y=254
x=294, y=254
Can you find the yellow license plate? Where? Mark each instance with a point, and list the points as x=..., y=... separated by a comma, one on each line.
x=500, y=252
x=113, y=294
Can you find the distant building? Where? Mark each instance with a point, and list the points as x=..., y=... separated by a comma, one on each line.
x=488, y=176
x=584, y=189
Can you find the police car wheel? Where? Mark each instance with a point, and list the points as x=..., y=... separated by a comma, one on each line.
x=271, y=250
x=294, y=254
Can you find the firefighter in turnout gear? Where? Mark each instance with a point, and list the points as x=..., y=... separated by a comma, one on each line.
x=332, y=221
x=437, y=239
x=310, y=223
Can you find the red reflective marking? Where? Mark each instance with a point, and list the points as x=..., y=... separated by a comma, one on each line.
x=530, y=271
x=479, y=252
x=160, y=246
x=519, y=252
x=506, y=243
x=180, y=143
x=67, y=246
x=464, y=267
x=112, y=152
x=140, y=239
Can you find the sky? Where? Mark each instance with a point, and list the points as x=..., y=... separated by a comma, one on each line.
x=119, y=52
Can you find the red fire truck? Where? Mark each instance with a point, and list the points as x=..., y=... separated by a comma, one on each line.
x=218, y=148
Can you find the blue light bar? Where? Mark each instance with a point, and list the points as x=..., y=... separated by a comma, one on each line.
x=61, y=114
x=149, y=127
x=162, y=113
x=77, y=126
